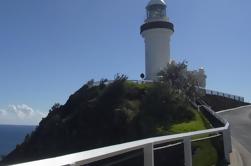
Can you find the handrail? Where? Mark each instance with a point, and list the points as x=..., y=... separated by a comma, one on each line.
x=90, y=156
x=96, y=83
x=217, y=93
x=207, y=91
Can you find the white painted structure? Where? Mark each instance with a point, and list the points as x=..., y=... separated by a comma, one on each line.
x=156, y=31
x=200, y=77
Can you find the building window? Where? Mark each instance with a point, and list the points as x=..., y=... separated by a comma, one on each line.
x=156, y=11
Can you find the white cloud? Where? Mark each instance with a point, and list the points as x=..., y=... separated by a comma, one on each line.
x=20, y=115
x=2, y=112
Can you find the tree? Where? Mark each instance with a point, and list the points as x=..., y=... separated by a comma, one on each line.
x=56, y=106
x=180, y=79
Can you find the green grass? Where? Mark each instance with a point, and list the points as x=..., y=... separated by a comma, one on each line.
x=198, y=123
x=132, y=85
x=205, y=153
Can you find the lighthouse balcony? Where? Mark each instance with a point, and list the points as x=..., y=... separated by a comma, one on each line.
x=157, y=24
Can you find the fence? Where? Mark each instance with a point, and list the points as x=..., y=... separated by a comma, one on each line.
x=217, y=93
x=97, y=83
x=148, y=146
x=207, y=91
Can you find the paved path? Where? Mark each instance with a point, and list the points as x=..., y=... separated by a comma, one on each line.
x=240, y=121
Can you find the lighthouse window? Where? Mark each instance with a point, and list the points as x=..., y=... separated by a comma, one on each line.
x=156, y=11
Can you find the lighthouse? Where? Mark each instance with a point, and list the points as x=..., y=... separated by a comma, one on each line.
x=156, y=31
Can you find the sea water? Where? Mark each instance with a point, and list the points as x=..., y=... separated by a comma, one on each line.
x=11, y=135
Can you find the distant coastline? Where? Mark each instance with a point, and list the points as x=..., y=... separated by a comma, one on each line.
x=18, y=125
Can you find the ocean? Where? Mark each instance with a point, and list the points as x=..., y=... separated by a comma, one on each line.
x=11, y=135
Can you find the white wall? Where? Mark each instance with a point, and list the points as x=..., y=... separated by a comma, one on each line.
x=157, y=50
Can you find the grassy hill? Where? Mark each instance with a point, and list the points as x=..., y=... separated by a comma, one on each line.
x=98, y=116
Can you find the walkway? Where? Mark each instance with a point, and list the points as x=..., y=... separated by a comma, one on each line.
x=240, y=121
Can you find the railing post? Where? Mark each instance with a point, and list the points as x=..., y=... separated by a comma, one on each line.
x=227, y=144
x=148, y=155
x=188, y=151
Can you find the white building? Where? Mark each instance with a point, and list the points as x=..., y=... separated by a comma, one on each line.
x=156, y=31
x=200, y=77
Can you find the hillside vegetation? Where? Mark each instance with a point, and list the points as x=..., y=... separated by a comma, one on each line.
x=107, y=114
x=97, y=116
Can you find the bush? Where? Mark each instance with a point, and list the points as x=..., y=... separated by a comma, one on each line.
x=106, y=114
x=180, y=79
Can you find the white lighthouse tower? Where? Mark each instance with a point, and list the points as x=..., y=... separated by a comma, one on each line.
x=156, y=32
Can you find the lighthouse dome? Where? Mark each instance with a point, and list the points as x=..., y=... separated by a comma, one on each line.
x=156, y=2
x=156, y=11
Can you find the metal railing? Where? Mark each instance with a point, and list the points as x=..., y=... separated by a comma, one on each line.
x=207, y=91
x=217, y=93
x=147, y=145
x=97, y=83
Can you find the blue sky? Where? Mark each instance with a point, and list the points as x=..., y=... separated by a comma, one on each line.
x=49, y=49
